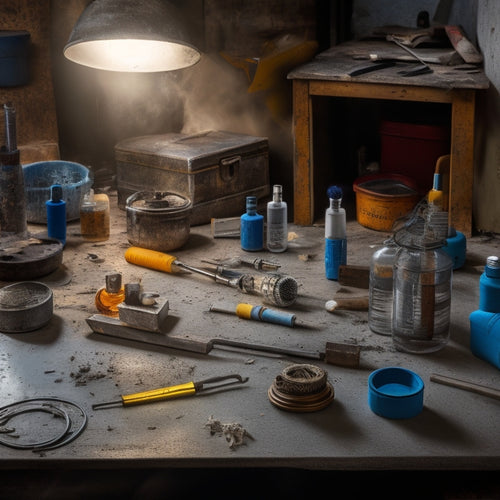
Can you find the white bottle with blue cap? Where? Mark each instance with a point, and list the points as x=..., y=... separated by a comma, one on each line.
x=335, y=234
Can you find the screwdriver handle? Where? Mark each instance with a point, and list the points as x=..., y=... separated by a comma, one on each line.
x=173, y=391
x=261, y=313
x=151, y=259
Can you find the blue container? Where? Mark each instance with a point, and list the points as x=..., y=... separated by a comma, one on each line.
x=74, y=179
x=14, y=61
x=252, y=227
x=395, y=393
x=56, y=214
x=489, y=286
x=485, y=336
x=456, y=248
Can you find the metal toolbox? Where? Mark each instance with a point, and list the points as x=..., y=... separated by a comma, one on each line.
x=217, y=170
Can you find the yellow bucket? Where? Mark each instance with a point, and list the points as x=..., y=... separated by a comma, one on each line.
x=381, y=199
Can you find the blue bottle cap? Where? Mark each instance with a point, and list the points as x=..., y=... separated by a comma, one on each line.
x=56, y=192
x=395, y=393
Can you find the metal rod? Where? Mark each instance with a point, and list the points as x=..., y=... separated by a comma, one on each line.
x=466, y=386
x=427, y=68
x=10, y=128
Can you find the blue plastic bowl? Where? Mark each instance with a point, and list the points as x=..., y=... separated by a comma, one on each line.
x=395, y=392
x=38, y=178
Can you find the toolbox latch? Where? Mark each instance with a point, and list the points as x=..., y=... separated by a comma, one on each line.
x=229, y=167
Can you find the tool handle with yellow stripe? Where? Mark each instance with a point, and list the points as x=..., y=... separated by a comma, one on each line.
x=151, y=259
x=261, y=313
x=174, y=391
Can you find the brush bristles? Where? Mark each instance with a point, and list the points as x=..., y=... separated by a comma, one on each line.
x=279, y=290
x=334, y=192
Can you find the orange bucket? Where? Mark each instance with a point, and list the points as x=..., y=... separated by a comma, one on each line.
x=381, y=199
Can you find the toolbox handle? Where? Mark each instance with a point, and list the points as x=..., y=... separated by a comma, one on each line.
x=229, y=167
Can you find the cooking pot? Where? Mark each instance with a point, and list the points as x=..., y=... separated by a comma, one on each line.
x=25, y=306
x=158, y=220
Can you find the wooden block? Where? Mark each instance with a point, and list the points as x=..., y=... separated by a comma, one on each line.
x=357, y=276
x=342, y=354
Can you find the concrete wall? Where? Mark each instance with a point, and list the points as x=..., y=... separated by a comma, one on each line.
x=371, y=13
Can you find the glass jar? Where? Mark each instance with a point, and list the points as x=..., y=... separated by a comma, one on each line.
x=95, y=217
x=422, y=299
x=380, y=293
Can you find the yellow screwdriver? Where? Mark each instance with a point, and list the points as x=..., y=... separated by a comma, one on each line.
x=174, y=391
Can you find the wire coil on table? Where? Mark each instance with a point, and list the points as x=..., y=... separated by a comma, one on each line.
x=72, y=417
x=301, y=388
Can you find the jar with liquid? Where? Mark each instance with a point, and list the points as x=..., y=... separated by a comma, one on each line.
x=422, y=299
x=94, y=217
x=380, y=293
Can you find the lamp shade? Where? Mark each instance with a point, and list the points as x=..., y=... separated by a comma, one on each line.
x=131, y=36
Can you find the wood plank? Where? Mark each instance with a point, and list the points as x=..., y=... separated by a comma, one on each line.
x=302, y=174
x=462, y=161
x=356, y=276
x=379, y=91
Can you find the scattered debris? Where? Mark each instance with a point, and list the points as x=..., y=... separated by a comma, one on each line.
x=84, y=375
x=306, y=257
x=94, y=258
x=233, y=432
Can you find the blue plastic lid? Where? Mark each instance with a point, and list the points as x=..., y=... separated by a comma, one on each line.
x=395, y=392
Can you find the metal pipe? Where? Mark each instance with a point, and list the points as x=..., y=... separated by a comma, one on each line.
x=10, y=128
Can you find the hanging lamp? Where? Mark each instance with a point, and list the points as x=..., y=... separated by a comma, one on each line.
x=131, y=36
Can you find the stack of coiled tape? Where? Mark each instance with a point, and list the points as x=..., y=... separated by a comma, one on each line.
x=301, y=388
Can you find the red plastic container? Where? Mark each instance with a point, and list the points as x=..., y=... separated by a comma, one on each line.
x=412, y=150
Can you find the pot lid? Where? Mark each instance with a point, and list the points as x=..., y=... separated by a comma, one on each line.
x=158, y=201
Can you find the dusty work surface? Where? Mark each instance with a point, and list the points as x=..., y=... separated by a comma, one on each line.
x=337, y=62
x=456, y=429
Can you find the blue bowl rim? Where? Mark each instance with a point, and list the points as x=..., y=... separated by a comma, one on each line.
x=404, y=373
x=57, y=162
x=85, y=171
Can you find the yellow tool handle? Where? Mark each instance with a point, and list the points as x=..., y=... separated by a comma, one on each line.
x=244, y=311
x=174, y=391
x=151, y=259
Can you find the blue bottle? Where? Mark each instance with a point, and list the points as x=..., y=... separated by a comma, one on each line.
x=485, y=322
x=252, y=227
x=335, y=234
x=56, y=214
x=489, y=286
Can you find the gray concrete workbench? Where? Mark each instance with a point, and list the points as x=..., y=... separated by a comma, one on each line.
x=457, y=430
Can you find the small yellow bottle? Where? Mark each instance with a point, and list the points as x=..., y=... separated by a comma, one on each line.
x=94, y=217
x=108, y=297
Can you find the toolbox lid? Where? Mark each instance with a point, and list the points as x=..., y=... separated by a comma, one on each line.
x=191, y=151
